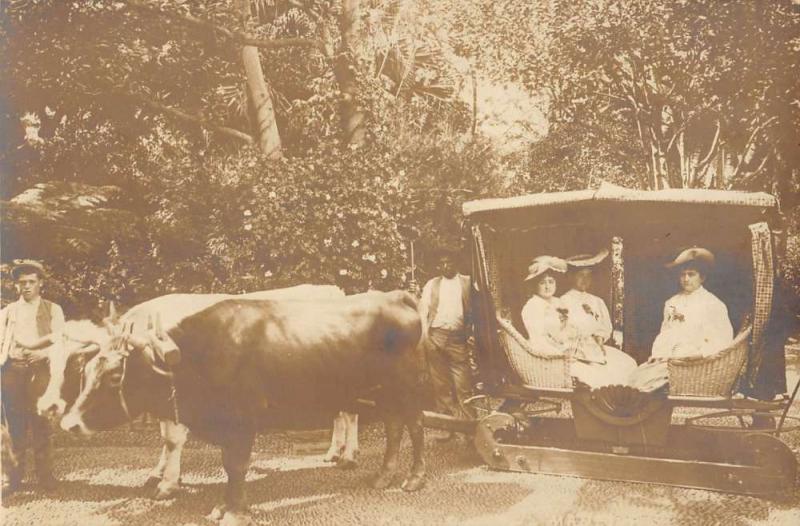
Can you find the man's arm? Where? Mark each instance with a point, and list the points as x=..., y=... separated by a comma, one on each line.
x=425, y=306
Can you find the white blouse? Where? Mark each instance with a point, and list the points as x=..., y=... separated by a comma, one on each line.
x=694, y=323
x=588, y=313
x=547, y=327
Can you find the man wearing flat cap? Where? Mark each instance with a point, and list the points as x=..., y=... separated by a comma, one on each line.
x=445, y=311
x=31, y=328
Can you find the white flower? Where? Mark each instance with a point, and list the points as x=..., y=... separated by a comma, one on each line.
x=247, y=213
x=327, y=241
x=342, y=272
x=273, y=195
x=248, y=226
x=268, y=274
x=384, y=273
x=355, y=244
x=402, y=246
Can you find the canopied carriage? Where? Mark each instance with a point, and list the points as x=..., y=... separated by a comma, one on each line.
x=697, y=432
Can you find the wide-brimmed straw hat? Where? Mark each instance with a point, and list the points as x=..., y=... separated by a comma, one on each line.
x=542, y=264
x=27, y=266
x=586, y=261
x=697, y=254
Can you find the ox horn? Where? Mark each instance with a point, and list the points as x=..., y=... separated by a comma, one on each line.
x=112, y=311
x=159, y=327
x=149, y=356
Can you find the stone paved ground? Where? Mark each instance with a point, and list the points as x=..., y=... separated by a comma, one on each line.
x=102, y=478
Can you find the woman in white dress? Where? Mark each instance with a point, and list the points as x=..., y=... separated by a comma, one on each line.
x=552, y=328
x=695, y=321
x=603, y=364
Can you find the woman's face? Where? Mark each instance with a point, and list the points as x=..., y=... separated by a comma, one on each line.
x=546, y=287
x=582, y=280
x=691, y=279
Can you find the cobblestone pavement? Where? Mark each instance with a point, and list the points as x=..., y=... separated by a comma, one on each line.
x=288, y=483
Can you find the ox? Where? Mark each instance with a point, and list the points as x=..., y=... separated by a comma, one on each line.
x=246, y=365
x=83, y=340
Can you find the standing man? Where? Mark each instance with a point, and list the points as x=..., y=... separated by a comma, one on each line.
x=445, y=311
x=31, y=328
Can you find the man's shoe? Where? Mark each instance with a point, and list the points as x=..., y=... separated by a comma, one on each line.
x=11, y=486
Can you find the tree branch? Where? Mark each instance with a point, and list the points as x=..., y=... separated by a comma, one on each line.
x=237, y=36
x=758, y=129
x=709, y=155
x=195, y=119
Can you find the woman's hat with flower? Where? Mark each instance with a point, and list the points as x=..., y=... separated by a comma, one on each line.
x=543, y=264
x=693, y=254
x=586, y=261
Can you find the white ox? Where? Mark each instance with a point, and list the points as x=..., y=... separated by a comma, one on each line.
x=85, y=337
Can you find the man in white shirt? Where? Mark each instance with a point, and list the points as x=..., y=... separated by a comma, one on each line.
x=31, y=328
x=445, y=311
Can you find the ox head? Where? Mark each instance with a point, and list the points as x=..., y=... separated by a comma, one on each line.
x=66, y=369
x=118, y=381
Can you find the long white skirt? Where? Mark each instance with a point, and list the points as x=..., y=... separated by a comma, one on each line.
x=616, y=370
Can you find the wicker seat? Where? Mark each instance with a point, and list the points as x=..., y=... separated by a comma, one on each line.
x=710, y=376
x=537, y=369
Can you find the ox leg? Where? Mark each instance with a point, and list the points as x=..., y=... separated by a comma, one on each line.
x=51, y=401
x=235, y=460
x=348, y=458
x=416, y=431
x=157, y=472
x=338, y=438
x=394, y=435
x=174, y=436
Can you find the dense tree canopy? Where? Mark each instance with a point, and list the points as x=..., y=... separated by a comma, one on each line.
x=226, y=145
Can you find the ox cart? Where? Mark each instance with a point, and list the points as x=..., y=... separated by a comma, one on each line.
x=700, y=431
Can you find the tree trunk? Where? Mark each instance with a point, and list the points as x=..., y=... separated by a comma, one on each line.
x=267, y=137
x=262, y=109
x=344, y=69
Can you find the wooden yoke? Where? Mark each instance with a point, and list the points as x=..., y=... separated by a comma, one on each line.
x=163, y=345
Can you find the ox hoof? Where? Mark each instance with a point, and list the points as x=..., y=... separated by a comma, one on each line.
x=384, y=479
x=217, y=513
x=151, y=483
x=165, y=493
x=414, y=483
x=232, y=518
x=333, y=455
x=344, y=463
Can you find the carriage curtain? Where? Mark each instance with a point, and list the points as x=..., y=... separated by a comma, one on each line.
x=763, y=282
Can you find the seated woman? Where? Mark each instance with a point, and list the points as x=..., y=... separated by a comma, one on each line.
x=695, y=321
x=552, y=328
